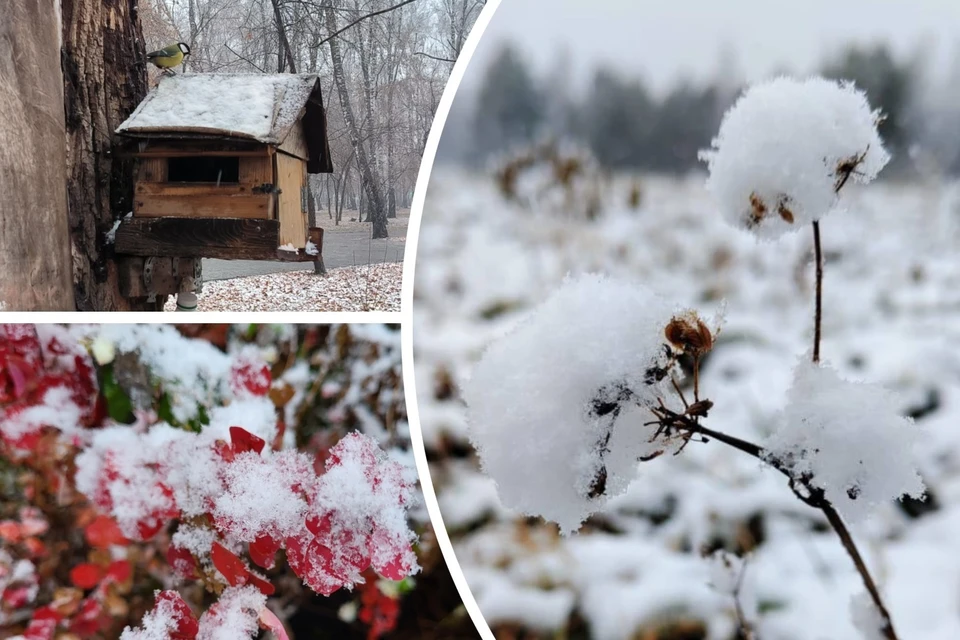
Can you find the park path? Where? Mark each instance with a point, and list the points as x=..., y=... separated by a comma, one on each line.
x=347, y=245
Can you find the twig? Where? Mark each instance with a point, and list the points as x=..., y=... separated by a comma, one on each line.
x=815, y=498
x=433, y=57
x=361, y=19
x=247, y=60
x=818, y=314
x=746, y=628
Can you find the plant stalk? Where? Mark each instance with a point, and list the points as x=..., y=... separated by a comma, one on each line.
x=816, y=498
x=818, y=314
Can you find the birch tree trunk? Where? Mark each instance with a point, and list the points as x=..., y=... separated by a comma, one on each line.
x=103, y=61
x=34, y=246
x=368, y=171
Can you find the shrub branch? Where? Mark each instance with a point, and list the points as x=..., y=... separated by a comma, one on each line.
x=802, y=487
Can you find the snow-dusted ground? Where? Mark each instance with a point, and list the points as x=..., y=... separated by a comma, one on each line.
x=891, y=315
x=374, y=287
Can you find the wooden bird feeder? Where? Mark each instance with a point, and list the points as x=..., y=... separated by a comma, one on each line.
x=222, y=164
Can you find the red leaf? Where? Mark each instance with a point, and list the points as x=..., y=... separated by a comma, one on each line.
x=40, y=629
x=187, y=626
x=270, y=622
x=10, y=531
x=228, y=564
x=89, y=620
x=263, y=551
x=244, y=441
x=312, y=562
x=104, y=532
x=86, y=575
x=236, y=571
x=119, y=570
x=182, y=562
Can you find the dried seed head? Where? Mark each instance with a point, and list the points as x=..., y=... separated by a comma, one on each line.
x=689, y=334
x=783, y=210
x=758, y=210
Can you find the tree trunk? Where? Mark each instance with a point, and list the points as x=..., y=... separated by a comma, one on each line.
x=34, y=251
x=369, y=177
x=105, y=78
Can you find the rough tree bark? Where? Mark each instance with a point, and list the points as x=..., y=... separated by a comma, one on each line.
x=104, y=79
x=34, y=253
x=371, y=181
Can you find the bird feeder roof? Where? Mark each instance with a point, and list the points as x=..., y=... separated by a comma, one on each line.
x=260, y=107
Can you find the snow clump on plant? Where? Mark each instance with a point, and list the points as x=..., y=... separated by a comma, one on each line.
x=787, y=147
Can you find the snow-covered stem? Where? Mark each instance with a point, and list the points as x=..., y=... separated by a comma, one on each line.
x=813, y=496
x=818, y=314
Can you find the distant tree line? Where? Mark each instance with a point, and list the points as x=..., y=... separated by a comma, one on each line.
x=628, y=126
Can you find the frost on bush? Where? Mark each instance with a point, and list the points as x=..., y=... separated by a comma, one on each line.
x=849, y=438
x=146, y=424
x=787, y=147
x=557, y=403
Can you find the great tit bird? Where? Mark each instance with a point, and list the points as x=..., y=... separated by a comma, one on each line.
x=169, y=57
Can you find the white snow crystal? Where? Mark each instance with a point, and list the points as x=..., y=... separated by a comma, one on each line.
x=851, y=437
x=775, y=164
x=533, y=398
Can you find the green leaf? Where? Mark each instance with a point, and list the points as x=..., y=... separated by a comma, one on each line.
x=119, y=405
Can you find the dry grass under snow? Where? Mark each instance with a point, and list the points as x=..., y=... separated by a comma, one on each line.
x=364, y=288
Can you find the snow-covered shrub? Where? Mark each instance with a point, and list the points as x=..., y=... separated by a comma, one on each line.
x=787, y=147
x=563, y=409
x=175, y=458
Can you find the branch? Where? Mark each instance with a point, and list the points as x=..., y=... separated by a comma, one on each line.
x=361, y=19
x=815, y=498
x=247, y=60
x=432, y=57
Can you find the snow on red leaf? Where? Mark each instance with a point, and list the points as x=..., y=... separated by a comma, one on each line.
x=244, y=441
x=104, y=532
x=250, y=376
x=86, y=575
x=187, y=627
x=182, y=562
x=312, y=562
x=40, y=629
x=89, y=620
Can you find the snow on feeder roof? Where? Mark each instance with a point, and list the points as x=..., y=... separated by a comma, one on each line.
x=260, y=107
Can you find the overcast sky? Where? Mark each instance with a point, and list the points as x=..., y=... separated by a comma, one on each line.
x=666, y=40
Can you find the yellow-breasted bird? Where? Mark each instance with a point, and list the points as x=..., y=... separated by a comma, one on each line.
x=169, y=57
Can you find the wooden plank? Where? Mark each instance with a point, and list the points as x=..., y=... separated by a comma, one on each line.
x=256, y=171
x=210, y=205
x=173, y=149
x=223, y=238
x=183, y=189
x=153, y=170
x=296, y=143
x=166, y=275
x=291, y=177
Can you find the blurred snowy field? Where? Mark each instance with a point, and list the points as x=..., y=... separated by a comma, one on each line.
x=636, y=570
